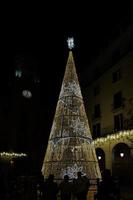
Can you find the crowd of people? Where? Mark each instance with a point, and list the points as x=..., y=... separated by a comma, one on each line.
x=67, y=190
x=77, y=189
x=24, y=188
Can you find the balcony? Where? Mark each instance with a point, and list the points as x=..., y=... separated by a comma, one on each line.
x=96, y=117
x=117, y=107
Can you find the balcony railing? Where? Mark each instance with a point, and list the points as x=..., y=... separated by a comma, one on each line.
x=117, y=107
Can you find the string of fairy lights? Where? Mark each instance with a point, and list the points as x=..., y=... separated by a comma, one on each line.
x=11, y=155
x=120, y=135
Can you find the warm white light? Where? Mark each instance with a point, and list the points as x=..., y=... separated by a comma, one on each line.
x=72, y=171
x=27, y=94
x=99, y=157
x=9, y=155
x=116, y=136
x=70, y=43
x=121, y=154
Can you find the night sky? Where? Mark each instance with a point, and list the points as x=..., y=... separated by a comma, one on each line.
x=33, y=37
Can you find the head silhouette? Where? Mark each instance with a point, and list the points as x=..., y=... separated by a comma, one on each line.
x=66, y=178
x=51, y=177
x=79, y=174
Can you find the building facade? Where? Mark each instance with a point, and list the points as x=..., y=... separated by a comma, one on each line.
x=109, y=105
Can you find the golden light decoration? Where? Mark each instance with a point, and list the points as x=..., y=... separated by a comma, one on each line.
x=116, y=136
x=11, y=155
x=70, y=148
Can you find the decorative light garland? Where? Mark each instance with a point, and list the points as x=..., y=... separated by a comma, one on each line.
x=72, y=171
x=11, y=155
x=120, y=135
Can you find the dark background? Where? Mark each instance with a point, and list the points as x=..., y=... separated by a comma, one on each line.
x=33, y=38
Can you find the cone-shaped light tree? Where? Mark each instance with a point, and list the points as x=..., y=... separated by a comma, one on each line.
x=70, y=148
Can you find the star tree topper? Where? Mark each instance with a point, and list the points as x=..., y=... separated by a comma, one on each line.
x=70, y=43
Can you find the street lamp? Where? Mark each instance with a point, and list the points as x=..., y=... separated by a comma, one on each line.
x=99, y=157
x=121, y=154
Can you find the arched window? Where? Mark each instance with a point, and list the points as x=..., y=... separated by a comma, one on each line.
x=122, y=162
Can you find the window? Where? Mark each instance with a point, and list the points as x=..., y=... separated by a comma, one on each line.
x=117, y=100
x=118, y=122
x=96, y=130
x=116, y=76
x=97, y=111
x=18, y=73
x=96, y=90
x=96, y=72
x=115, y=56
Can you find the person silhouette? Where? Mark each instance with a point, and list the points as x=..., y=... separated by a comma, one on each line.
x=82, y=184
x=50, y=188
x=106, y=186
x=65, y=188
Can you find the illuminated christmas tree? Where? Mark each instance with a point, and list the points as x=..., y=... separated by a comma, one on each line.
x=70, y=148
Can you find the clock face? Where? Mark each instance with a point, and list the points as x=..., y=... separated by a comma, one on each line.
x=27, y=94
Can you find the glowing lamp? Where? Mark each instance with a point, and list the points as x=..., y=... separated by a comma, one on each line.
x=121, y=154
x=27, y=94
x=99, y=157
